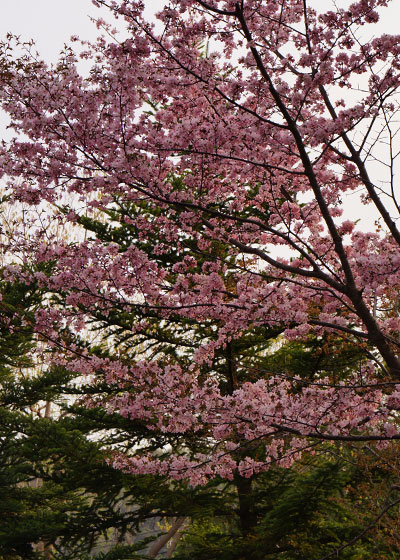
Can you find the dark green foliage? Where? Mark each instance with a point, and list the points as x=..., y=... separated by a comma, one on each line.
x=56, y=489
x=305, y=512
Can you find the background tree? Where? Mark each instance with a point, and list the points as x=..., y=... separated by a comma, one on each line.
x=59, y=498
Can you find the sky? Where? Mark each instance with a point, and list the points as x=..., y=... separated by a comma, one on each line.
x=52, y=22
x=49, y=22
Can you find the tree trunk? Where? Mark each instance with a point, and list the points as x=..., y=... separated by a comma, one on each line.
x=159, y=544
x=174, y=541
x=247, y=516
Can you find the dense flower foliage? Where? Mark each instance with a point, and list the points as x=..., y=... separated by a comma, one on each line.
x=225, y=146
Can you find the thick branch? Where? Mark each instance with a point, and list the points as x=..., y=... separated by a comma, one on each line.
x=335, y=437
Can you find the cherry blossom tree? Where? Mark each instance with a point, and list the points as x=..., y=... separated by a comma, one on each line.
x=231, y=140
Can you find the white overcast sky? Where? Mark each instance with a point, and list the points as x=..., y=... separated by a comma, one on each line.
x=49, y=22
x=52, y=22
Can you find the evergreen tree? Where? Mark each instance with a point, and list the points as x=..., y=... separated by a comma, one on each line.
x=312, y=508
x=58, y=496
